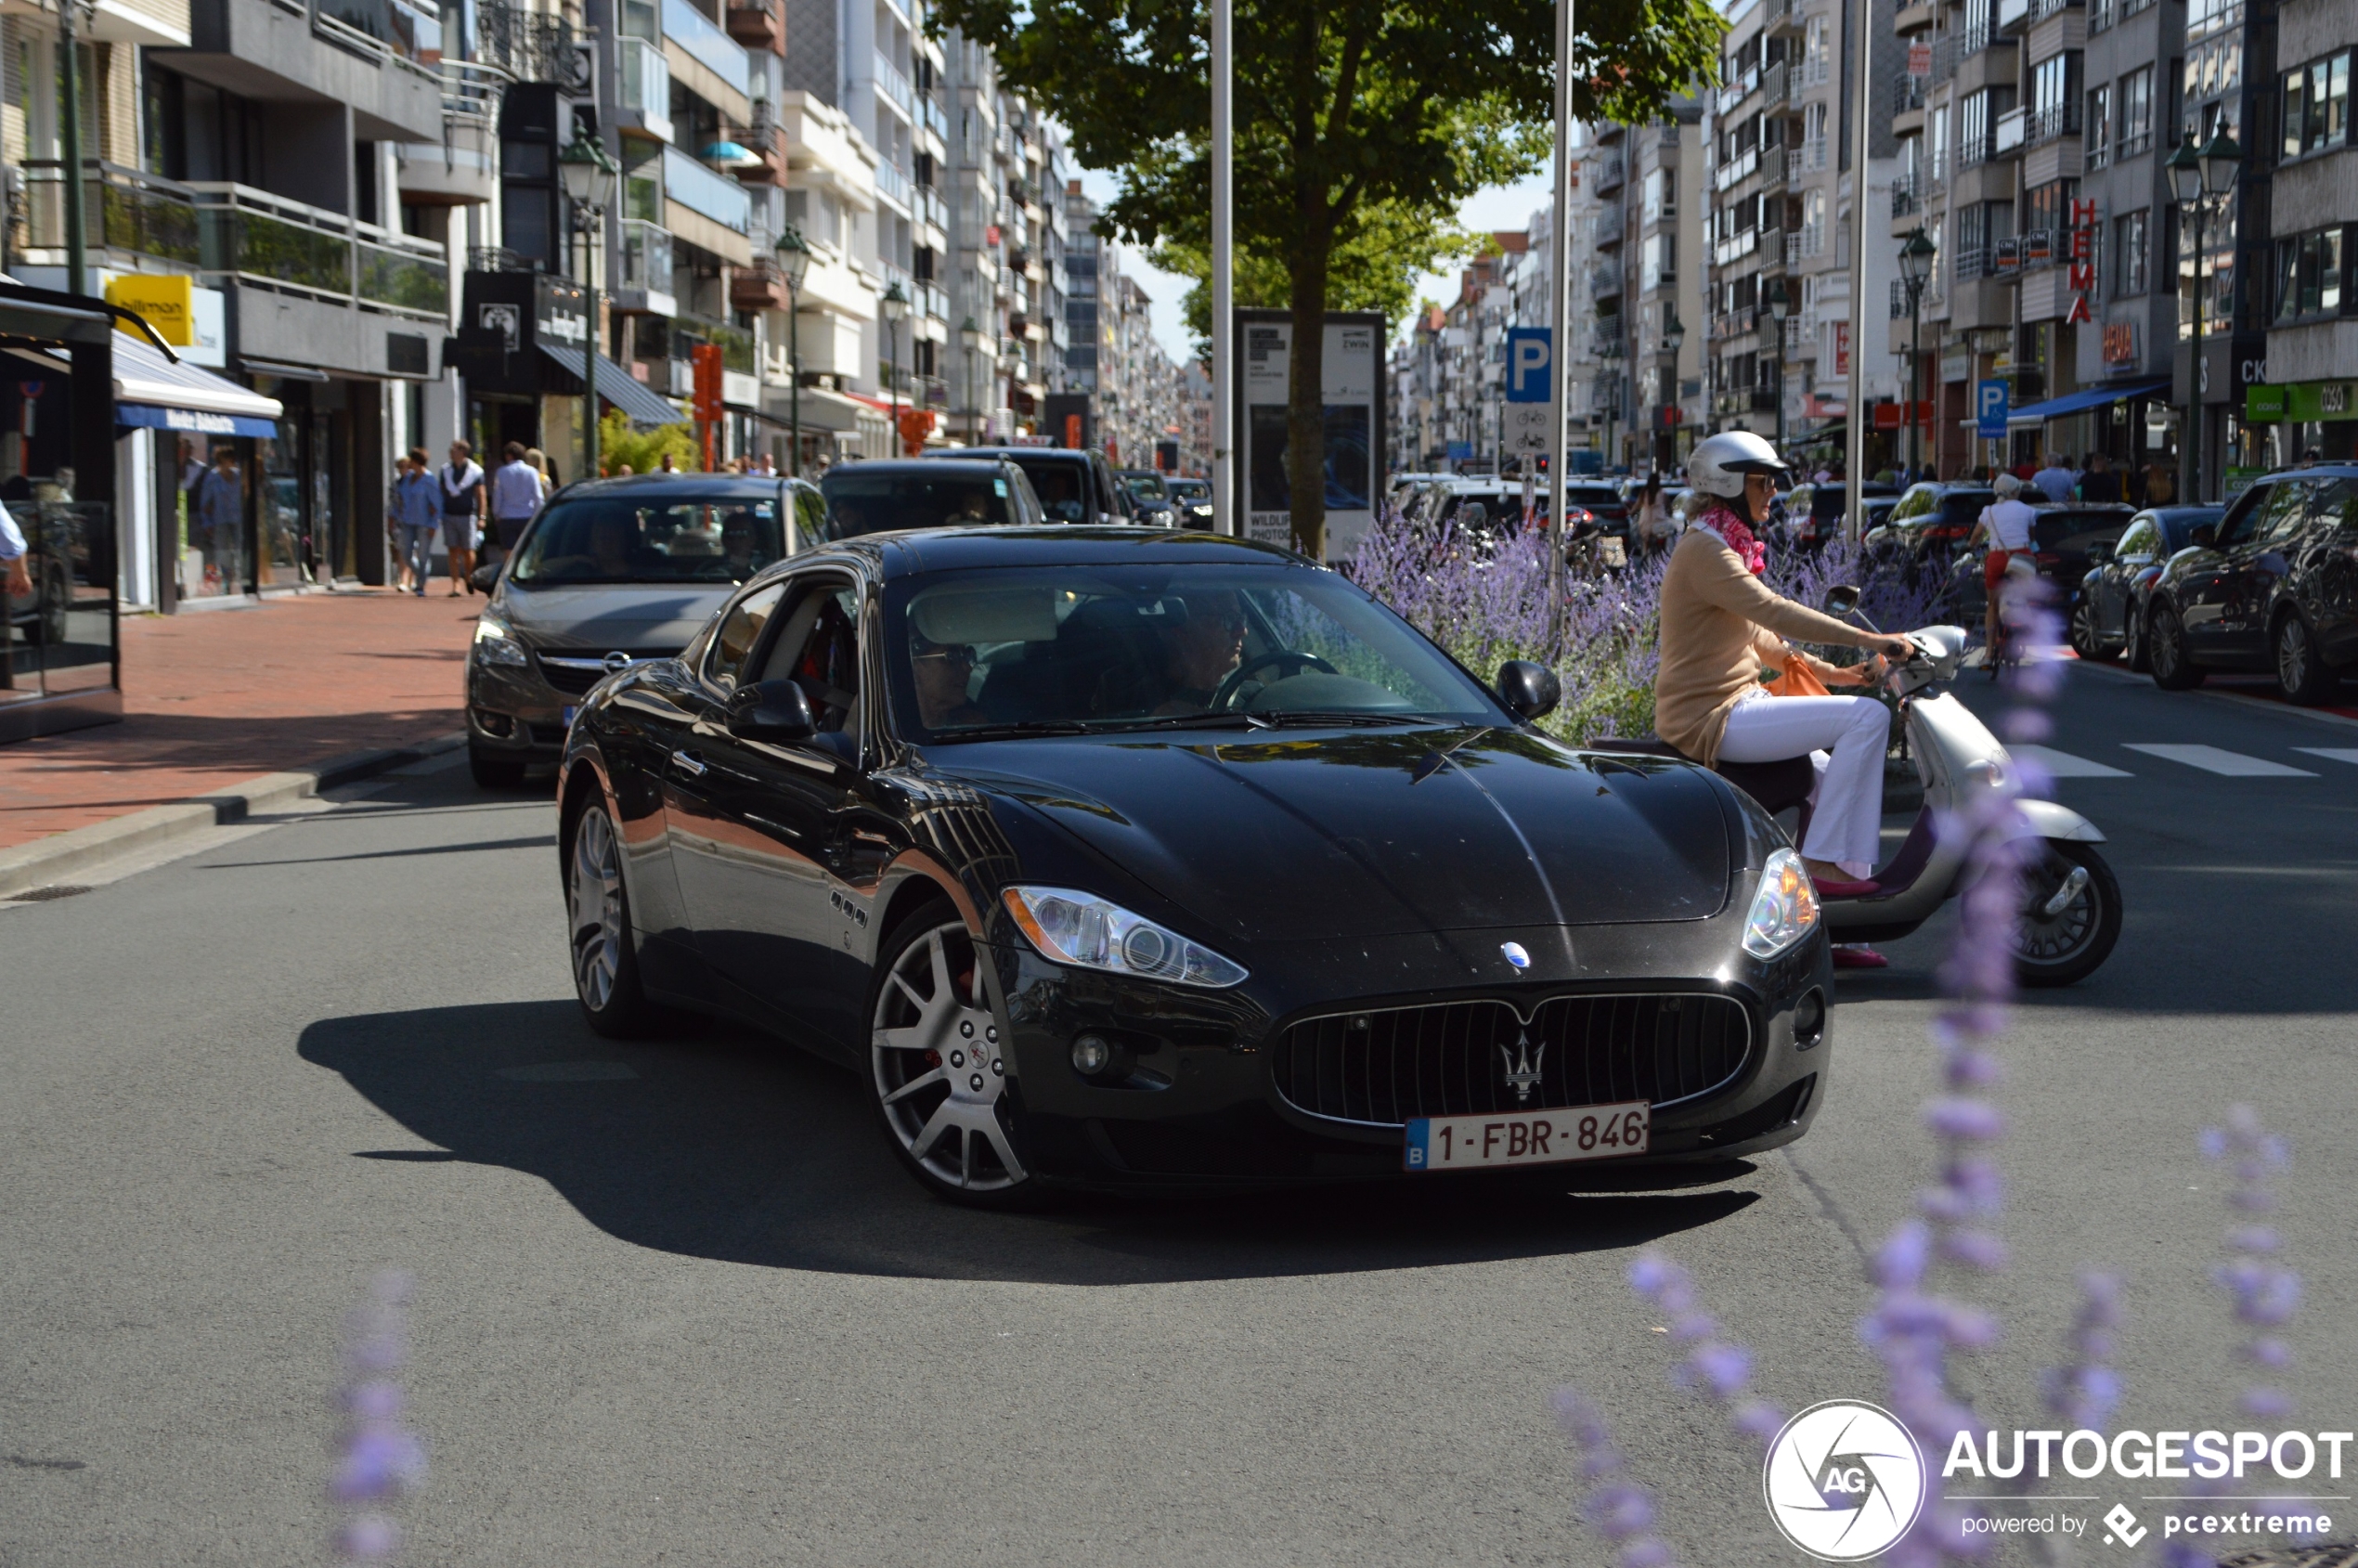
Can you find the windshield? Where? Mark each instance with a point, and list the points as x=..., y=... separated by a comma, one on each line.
x=1148, y=484
x=1062, y=484
x=866, y=502
x=666, y=539
x=1088, y=648
x=1190, y=490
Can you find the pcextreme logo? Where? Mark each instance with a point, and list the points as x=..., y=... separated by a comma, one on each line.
x=1844, y=1481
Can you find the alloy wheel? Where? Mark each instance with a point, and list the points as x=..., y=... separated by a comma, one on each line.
x=2083, y=629
x=593, y=897
x=2166, y=650
x=2300, y=674
x=940, y=1065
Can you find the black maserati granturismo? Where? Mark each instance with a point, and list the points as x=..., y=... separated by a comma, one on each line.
x=1116, y=857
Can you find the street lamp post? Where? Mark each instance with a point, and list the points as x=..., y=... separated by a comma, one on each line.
x=1916, y=269
x=793, y=260
x=590, y=172
x=895, y=310
x=2200, y=177
x=1780, y=306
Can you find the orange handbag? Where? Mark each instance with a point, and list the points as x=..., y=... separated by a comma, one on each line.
x=1798, y=680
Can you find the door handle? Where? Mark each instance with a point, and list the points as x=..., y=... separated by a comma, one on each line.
x=688, y=763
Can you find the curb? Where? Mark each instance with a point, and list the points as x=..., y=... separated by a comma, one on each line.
x=42, y=862
x=2241, y=699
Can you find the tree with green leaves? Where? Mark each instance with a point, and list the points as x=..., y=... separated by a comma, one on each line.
x=1356, y=119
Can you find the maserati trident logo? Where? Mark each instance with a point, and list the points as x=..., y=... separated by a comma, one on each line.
x=1523, y=1065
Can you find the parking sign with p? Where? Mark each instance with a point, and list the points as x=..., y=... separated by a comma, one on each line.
x=1530, y=365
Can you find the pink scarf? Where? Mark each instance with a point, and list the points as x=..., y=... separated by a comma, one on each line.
x=1737, y=534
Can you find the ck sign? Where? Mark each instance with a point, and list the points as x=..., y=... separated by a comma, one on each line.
x=1530, y=364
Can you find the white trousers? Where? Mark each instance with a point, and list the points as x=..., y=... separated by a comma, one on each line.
x=1846, y=809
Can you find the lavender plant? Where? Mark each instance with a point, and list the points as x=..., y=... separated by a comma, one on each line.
x=1618, y=1508
x=379, y=1460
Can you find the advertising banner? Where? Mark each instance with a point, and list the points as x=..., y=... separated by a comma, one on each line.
x=1353, y=456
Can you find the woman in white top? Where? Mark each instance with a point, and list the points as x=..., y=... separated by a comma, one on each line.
x=2005, y=523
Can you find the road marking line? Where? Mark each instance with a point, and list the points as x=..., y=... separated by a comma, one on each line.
x=2064, y=765
x=2227, y=764
x=2332, y=753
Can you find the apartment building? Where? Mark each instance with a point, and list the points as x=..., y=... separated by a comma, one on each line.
x=2309, y=403
x=1140, y=403
x=1663, y=304
x=1783, y=198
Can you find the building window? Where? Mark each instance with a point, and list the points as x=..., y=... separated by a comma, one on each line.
x=2129, y=248
x=2316, y=104
x=2308, y=279
x=2099, y=123
x=2136, y=110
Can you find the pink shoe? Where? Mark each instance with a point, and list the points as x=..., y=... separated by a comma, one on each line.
x=1860, y=956
x=1828, y=889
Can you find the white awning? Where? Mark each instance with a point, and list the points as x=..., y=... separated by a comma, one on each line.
x=145, y=378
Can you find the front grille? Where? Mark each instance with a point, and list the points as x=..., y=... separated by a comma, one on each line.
x=575, y=673
x=1386, y=1065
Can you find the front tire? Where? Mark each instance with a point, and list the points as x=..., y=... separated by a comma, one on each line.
x=2066, y=946
x=2133, y=643
x=606, y=962
x=2166, y=651
x=2085, y=640
x=938, y=1064
x=2302, y=675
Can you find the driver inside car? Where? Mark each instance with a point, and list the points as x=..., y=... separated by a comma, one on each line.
x=942, y=672
x=1721, y=626
x=1202, y=650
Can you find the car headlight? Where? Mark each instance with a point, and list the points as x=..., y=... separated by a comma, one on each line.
x=1785, y=910
x=495, y=646
x=1089, y=932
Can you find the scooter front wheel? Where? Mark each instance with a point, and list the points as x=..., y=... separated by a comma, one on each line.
x=2070, y=914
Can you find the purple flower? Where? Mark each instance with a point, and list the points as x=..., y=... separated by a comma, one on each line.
x=1618, y=1508
x=1976, y=1120
x=379, y=1459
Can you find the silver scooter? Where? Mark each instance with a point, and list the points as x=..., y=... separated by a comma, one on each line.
x=2071, y=901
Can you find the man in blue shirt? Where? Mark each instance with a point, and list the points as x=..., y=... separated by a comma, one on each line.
x=221, y=519
x=417, y=513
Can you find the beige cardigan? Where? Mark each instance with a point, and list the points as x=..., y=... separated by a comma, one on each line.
x=1717, y=620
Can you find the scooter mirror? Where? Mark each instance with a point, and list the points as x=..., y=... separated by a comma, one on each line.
x=1841, y=600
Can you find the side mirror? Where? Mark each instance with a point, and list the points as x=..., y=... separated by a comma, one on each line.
x=2205, y=535
x=770, y=710
x=485, y=576
x=1531, y=690
x=1842, y=600
x=2099, y=554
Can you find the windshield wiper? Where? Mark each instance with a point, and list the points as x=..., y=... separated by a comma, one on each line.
x=1291, y=717
x=1010, y=731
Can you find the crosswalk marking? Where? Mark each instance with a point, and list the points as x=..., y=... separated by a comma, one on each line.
x=2332, y=753
x=2064, y=765
x=2228, y=764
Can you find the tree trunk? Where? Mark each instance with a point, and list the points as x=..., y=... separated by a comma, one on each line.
x=1306, y=405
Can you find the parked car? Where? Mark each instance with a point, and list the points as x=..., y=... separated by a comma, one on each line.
x=1448, y=501
x=1929, y=523
x=1092, y=853
x=1815, y=511
x=1602, y=501
x=2273, y=585
x=2063, y=540
x=1150, y=498
x=1400, y=487
x=1192, y=498
x=612, y=573
x=1074, y=485
x=2109, y=617
x=888, y=496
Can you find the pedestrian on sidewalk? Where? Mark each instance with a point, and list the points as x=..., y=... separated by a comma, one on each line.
x=2056, y=481
x=516, y=494
x=402, y=580
x=221, y=516
x=416, y=515
x=12, y=549
x=2100, y=484
x=462, y=488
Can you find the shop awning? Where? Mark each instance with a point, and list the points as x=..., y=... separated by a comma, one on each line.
x=2035, y=414
x=638, y=401
x=153, y=392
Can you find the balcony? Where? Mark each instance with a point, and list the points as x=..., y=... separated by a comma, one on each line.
x=1734, y=323
x=1735, y=247
x=704, y=193
x=1774, y=88
x=932, y=116
x=892, y=85
x=894, y=186
x=1974, y=152
x=2041, y=10
x=267, y=242
x=759, y=286
x=127, y=211
x=1604, y=281
x=765, y=139
x=929, y=207
x=708, y=44
x=1741, y=87
x=645, y=86
x=2007, y=138
x=1608, y=175
x=1907, y=94
x=2049, y=122
x=646, y=267
x=1737, y=168
x=2013, y=16
x=1907, y=195
x=759, y=24
x=528, y=47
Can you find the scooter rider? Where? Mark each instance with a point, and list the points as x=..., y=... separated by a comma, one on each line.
x=1721, y=626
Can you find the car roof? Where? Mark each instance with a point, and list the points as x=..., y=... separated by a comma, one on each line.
x=929, y=467
x=915, y=552
x=728, y=485
x=1006, y=454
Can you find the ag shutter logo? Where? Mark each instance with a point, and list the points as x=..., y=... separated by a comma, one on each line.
x=1844, y=1481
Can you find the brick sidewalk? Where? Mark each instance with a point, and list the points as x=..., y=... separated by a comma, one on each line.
x=216, y=696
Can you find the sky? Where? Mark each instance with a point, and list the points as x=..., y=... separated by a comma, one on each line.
x=1498, y=207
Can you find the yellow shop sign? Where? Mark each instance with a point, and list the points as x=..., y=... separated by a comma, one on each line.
x=167, y=300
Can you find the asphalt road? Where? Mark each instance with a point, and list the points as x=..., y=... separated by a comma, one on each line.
x=684, y=1308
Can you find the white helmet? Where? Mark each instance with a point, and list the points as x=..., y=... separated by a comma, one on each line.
x=1719, y=464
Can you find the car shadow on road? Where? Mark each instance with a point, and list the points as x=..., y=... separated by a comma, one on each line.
x=723, y=1144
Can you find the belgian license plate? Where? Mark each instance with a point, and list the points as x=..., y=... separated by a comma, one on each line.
x=1537, y=1137
x=564, y=716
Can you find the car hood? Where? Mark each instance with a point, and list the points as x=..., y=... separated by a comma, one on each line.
x=1370, y=833
x=635, y=617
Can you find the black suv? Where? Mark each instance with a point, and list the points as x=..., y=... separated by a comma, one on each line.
x=2273, y=584
x=1073, y=484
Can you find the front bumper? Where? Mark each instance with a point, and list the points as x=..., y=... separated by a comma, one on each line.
x=1194, y=1099
x=514, y=714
